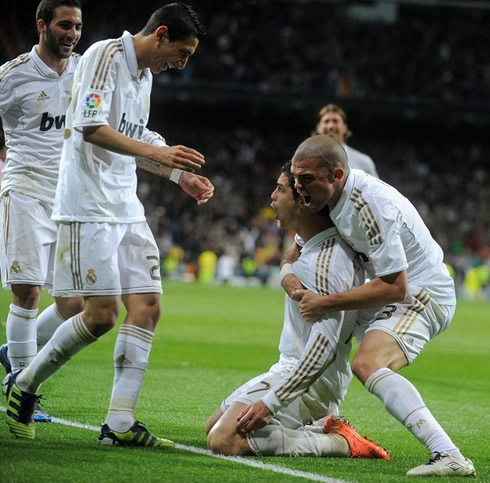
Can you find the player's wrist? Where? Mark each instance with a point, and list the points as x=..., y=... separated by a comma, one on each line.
x=286, y=269
x=175, y=175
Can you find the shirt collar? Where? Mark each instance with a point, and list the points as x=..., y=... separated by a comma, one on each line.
x=130, y=53
x=45, y=69
x=319, y=237
x=348, y=187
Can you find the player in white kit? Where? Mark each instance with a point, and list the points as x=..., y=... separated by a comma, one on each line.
x=332, y=120
x=410, y=294
x=34, y=90
x=105, y=249
x=313, y=373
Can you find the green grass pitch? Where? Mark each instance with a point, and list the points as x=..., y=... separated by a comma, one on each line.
x=210, y=340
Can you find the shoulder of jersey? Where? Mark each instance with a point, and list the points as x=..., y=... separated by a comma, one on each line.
x=104, y=56
x=12, y=66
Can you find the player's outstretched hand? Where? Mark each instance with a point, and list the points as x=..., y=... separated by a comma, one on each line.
x=179, y=156
x=199, y=187
x=254, y=416
x=311, y=305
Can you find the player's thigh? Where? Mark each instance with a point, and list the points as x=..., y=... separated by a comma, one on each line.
x=28, y=240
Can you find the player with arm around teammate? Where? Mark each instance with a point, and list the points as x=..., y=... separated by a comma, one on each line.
x=105, y=249
x=410, y=294
x=263, y=416
x=34, y=90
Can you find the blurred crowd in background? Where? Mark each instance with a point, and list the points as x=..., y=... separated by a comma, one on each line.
x=414, y=81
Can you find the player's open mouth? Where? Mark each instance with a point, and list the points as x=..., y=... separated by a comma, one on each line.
x=307, y=200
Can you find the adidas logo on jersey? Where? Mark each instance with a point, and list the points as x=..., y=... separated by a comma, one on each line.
x=43, y=97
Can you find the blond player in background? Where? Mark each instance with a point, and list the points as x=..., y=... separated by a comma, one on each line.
x=332, y=120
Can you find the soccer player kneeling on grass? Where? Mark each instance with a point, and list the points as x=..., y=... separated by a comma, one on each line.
x=273, y=414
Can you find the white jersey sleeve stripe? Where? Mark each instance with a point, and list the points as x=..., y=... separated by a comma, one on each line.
x=368, y=219
x=309, y=366
x=100, y=77
x=22, y=59
x=322, y=267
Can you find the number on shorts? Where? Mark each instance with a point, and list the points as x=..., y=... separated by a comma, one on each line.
x=386, y=314
x=155, y=270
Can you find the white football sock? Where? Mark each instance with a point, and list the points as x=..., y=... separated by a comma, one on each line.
x=21, y=336
x=404, y=403
x=47, y=322
x=276, y=440
x=131, y=353
x=69, y=339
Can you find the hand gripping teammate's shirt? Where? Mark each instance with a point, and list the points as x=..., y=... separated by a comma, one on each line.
x=317, y=354
x=33, y=100
x=389, y=236
x=97, y=185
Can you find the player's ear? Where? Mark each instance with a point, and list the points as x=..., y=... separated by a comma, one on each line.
x=41, y=25
x=161, y=34
x=338, y=173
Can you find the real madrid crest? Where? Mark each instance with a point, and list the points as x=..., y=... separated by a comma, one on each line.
x=15, y=267
x=91, y=278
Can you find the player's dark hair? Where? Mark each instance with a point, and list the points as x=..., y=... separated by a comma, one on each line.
x=180, y=19
x=45, y=9
x=286, y=168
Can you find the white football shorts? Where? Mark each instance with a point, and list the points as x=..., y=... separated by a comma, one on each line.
x=27, y=242
x=411, y=323
x=303, y=410
x=106, y=259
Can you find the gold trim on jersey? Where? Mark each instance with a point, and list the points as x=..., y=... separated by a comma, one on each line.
x=323, y=265
x=12, y=64
x=105, y=60
x=367, y=217
x=410, y=315
x=308, y=364
x=137, y=332
x=76, y=272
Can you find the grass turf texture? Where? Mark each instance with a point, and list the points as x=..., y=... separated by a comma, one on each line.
x=210, y=340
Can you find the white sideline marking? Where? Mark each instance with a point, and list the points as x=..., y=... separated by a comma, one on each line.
x=233, y=459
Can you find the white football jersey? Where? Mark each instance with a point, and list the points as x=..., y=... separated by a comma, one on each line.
x=33, y=100
x=321, y=349
x=389, y=236
x=97, y=185
x=358, y=160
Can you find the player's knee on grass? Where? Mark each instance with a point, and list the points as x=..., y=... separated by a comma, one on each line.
x=226, y=442
x=213, y=419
